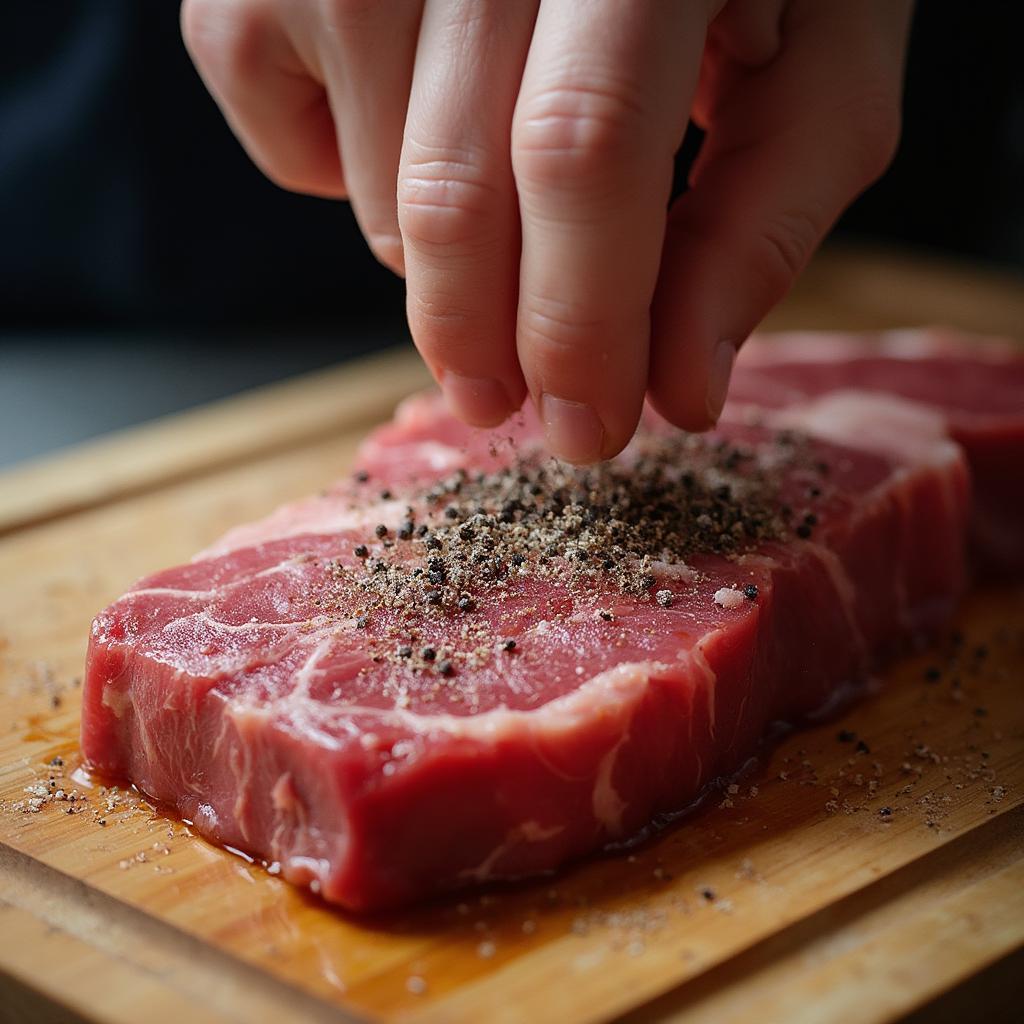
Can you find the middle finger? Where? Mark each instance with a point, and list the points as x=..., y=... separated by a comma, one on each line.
x=605, y=96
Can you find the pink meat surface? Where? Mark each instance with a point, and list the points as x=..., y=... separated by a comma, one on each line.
x=267, y=692
x=976, y=383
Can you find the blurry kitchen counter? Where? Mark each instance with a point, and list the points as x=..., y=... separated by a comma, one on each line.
x=860, y=287
x=63, y=387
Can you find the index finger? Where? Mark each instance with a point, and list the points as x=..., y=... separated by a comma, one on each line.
x=457, y=206
x=603, y=105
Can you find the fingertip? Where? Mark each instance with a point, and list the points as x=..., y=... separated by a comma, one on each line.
x=478, y=401
x=690, y=371
x=693, y=394
x=573, y=430
x=685, y=416
x=719, y=372
x=578, y=433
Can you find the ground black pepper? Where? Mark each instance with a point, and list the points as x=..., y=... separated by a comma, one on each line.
x=629, y=524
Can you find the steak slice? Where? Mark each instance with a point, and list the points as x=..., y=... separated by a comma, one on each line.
x=476, y=664
x=977, y=384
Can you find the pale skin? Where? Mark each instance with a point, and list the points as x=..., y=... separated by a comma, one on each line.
x=512, y=159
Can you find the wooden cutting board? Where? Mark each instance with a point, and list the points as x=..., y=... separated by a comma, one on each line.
x=863, y=869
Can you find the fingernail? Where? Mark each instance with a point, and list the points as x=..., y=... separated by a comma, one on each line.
x=478, y=400
x=573, y=430
x=718, y=378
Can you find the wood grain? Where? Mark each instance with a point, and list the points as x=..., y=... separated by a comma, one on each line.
x=945, y=907
x=114, y=913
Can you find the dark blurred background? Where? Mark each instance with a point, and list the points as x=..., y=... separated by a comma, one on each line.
x=146, y=265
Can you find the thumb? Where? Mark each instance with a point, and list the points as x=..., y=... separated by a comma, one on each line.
x=787, y=150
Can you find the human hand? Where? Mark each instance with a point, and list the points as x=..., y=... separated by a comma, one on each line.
x=513, y=159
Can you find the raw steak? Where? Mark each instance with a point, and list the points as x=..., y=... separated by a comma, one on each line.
x=471, y=663
x=978, y=385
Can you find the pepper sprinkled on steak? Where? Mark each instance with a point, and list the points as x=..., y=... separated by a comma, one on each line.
x=631, y=524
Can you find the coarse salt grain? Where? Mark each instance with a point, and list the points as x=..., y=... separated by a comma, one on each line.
x=729, y=597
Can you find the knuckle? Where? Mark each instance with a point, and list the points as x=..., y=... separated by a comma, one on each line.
x=557, y=332
x=226, y=38
x=447, y=201
x=574, y=135
x=787, y=242
x=436, y=308
x=443, y=326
